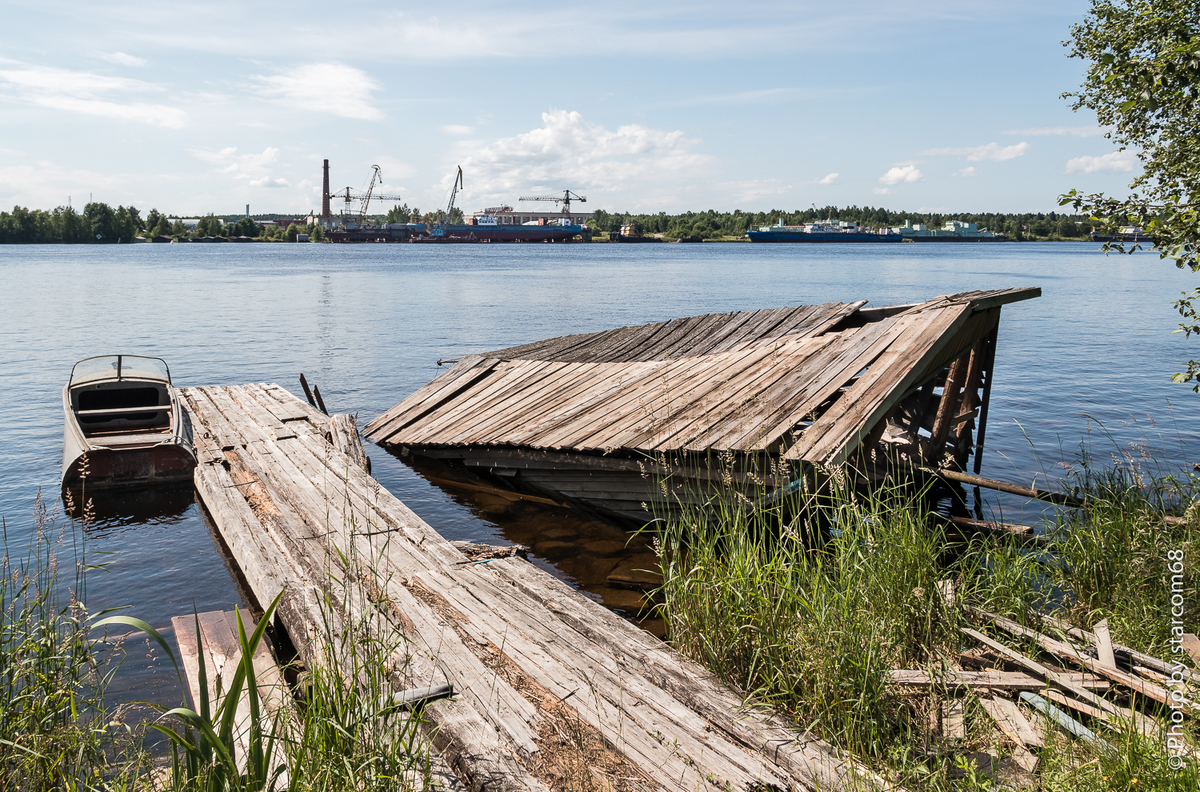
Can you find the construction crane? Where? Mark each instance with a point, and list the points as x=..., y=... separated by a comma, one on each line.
x=364, y=197
x=565, y=199
x=440, y=229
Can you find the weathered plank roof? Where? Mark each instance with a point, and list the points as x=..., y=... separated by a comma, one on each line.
x=807, y=381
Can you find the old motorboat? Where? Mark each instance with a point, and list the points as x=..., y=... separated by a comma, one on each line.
x=123, y=425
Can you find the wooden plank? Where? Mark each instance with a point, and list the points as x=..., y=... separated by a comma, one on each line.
x=433, y=396
x=954, y=719
x=1008, y=717
x=1191, y=645
x=1104, y=646
x=998, y=680
x=836, y=433
x=1069, y=652
x=947, y=409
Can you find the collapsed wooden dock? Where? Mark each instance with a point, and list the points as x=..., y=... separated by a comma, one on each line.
x=810, y=386
x=531, y=661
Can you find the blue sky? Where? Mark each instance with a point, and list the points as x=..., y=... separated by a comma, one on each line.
x=206, y=107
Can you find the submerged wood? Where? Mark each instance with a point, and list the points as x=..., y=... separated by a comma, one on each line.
x=529, y=658
x=817, y=385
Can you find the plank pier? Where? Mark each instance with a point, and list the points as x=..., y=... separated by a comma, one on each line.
x=528, y=657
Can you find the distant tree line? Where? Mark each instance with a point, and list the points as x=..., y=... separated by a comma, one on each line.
x=99, y=223
x=716, y=225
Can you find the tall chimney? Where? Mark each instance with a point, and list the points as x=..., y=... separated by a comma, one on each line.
x=325, y=196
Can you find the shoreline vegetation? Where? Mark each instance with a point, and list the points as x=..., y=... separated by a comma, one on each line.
x=810, y=615
x=820, y=617
x=99, y=223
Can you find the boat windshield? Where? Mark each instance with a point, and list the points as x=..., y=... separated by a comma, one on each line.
x=104, y=367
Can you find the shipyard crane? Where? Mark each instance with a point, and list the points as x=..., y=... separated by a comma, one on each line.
x=455, y=186
x=565, y=199
x=364, y=197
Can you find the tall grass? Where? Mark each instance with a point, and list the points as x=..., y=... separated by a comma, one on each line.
x=808, y=602
x=55, y=732
x=808, y=621
x=344, y=731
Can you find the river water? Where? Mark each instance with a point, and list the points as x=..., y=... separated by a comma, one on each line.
x=367, y=323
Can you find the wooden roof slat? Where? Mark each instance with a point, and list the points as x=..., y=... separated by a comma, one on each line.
x=558, y=379
x=749, y=412
x=843, y=425
x=430, y=397
x=689, y=377
x=535, y=373
x=741, y=373
x=831, y=368
x=503, y=376
x=614, y=377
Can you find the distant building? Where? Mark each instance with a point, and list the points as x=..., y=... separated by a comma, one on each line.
x=518, y=217
x=190, y=223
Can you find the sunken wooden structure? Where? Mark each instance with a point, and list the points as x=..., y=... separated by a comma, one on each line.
x=549, y=686
x=582, y=417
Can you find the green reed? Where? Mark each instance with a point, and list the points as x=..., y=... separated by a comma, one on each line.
x=343, y=731
x=806, y=602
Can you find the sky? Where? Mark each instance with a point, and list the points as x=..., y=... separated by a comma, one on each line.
x=191, y=108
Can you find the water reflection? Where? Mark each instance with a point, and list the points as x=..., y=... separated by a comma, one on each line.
x=111, y=509
x=612, y=563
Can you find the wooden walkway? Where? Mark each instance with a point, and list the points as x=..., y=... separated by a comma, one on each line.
x=548, y=683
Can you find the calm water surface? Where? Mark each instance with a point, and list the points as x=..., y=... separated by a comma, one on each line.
x=367, y=323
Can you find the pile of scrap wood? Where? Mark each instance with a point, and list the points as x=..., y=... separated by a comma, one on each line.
x=1061, y=678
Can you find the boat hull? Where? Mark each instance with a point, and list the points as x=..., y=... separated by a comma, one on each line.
x=109, y=468
x=121, y=431
x=820, y=237
x=505, y=233
x=996, y=238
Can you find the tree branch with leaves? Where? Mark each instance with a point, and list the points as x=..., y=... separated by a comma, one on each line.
x=1143, y=82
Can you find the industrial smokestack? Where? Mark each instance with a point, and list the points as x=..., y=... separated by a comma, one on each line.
x=325, y=196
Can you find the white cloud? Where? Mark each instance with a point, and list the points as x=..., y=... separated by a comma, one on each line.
x=457, y=130
x=753, y=190
x=569, y=152
x=251, y=168
x=89, y=94
x=1077, y=131
x=900, y=174
x=325, y=87
x=829, y=179
x=122, y=59
x=992, y=151
x=882, y=190
x=45, y=185
x=1113, y=161
x=968, y=171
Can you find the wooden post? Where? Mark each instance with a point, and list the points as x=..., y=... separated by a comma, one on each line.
x=946, y=411
x=970, y=400
x=988, y=364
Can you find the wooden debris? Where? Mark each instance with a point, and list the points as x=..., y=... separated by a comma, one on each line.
x=999, y=680
x=1104, y=647
x=1068, y=723
x=1191, y=645
x=807, y=384
x=953, y=719
x=1010, y=720
x=1070, y=652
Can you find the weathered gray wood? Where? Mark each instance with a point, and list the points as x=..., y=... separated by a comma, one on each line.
x=999, y=680
x=1010, y=720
